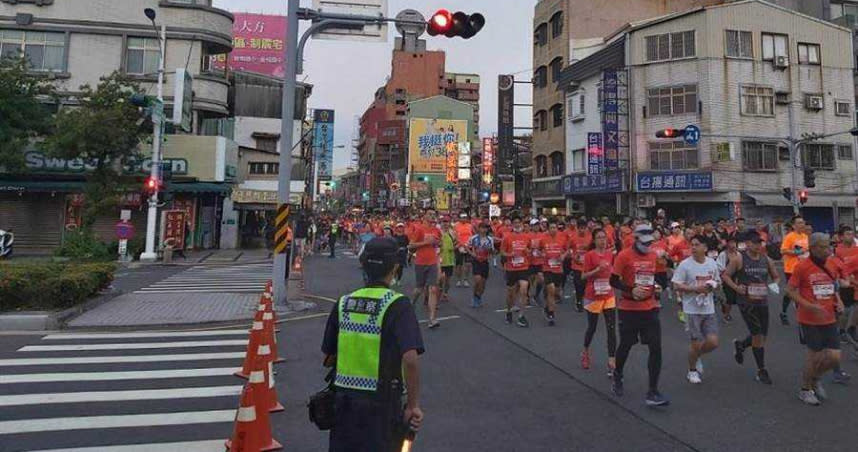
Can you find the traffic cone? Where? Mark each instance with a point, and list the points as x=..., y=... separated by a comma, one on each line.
x=257, y=336
x=262, y=380
x=252, y=432
x=271, y=335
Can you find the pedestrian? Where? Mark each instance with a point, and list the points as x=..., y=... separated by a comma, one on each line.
x=373, y=341
x=793, y=249
x=554, y=247
x=634, y=276
x=481, y=247
x=696, y=279
x=516, y=252
x=401, y=241
x=729, y=254
x=812, y=287
x=599, y=298
x=537, y=260
x=425, y=243
x=333, y=234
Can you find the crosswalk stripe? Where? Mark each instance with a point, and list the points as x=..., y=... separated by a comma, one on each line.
x=185, y=446
x=137, y=335
x=115, y=421
x=191, y=289
x=119, y=359
x=111, y=376
x=208, y=284
x=117, y=396
x=130, y=346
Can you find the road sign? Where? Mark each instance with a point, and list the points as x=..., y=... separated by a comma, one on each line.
x=124, y=230
x=358, y=32
x=183, y=97
x=691, y=134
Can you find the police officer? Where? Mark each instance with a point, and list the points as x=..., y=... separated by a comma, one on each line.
x=373, y=340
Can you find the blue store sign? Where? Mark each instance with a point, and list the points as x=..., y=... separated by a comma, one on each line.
x=583, y=183
x=674, y=181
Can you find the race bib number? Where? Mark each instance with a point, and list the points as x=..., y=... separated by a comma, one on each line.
x=644, y=279
x=517, y=260
x=758, y=291
x=742, y=246
x=555, y=263
x=602, y=286
x=823, y=291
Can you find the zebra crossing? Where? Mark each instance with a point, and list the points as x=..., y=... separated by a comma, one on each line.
x=121, y=392
x=236, y=278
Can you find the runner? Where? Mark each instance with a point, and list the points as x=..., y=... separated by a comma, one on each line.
x=847, y=253
x=402, y=243
x=537, y=261
x=448, y=257
x=599, y=297
x=554, y=248
x=464, y=231
x=426, y=240
x=634, y=276
x=794, y=249
x=579, y=244
x=812, y=287
x=729, y=254
x=695, y=279
x=516, y=251
x=481, y=247
x=752, y=277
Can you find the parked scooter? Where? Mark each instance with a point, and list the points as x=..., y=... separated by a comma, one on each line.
x=6, y=240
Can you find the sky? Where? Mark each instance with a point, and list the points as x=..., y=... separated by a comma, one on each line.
x=503, y=46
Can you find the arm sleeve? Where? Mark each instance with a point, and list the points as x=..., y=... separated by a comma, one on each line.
x=329, y=343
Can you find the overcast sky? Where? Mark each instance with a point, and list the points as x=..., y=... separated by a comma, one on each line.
x=503, y=46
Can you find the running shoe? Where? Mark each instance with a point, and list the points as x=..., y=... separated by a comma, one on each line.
x=784, y=319
x=740, y=351
x=681, y=315
x=585, y=360
x=617, y=386
x=728, y=318
x=654, y=398
x=458, y=283
x=819, y=391
x=476, y=302
x=693, y=378
x=551, y=319
x=808, y=397
x=509, y=317
x=841, y=377
x=579, y=307
x=522, y=322
x=610, y=372
x=465, y=283
x=763, y=377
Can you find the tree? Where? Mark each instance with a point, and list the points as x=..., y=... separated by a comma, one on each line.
x=104, y=130
x=25, y=112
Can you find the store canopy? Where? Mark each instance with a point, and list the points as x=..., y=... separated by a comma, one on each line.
x=198, y=187
x=33, y=186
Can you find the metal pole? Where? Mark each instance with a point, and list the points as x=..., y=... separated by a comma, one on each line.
x=793, y=157
x=149, y=253
x=284, y=178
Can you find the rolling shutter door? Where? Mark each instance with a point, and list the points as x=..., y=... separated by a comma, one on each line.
x=36, y=219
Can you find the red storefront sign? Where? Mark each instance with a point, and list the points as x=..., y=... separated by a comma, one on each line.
x=174, y=228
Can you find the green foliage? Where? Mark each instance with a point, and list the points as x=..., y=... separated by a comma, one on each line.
x=51, y=285
x=83, y=244
x=23, y=115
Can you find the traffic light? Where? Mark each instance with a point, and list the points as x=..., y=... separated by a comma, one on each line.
x=668, y=133
x=144, y=107
x=451, y=25
x=809, y=178
x=788, y=193
x=152, y=185
x=802, y=196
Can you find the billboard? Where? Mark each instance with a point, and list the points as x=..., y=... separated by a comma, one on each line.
x=257, y=41
x=323, y=142
x=488, y=161
x=427, y=142
x=464, y=160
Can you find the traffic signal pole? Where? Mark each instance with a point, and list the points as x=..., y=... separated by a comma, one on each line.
x=149, y=253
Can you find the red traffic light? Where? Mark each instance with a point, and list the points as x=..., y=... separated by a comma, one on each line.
x=802, y=196
x=440, y=23
x=668, y=133
x=459, y=24
x=151, y=185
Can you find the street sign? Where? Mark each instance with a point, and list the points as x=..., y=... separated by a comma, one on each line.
x=357, y=32
x=691, y=134
x=124, y=230
x=183, y=96
x=494, y=210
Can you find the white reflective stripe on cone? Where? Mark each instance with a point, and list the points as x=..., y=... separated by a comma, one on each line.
x=246, y=414
x=263, y=350
x=257, y=376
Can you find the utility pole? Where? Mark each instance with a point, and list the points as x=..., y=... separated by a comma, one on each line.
x=793, y=159
x=149, y=253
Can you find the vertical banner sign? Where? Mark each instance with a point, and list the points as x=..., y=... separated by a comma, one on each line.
x=595, y=154
x=427, y=143
x=610, y=120
x=508, y=189
x=174, y=228
x=257, y=45
x=452, y=163
x=464, y=165
x=323, y=142
x=506, y=120
x=488, y=161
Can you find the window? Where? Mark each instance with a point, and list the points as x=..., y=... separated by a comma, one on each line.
x=540, y=120
x=557, y=115
x=557, y=167
x=808, y=53
x=759, y=156
x=757, y=100
x=578, y=160
x=575, y=104
x=774, y=45
x=841, y=9
x=740, y=44
x=672, y=155
x=844, y=152
x=264, y=167
x=43, y=51
x=142, y=56
x=818, y=156
x=556, y=67
x=670, y=46
x=540, y=77
x=541, y=166
x=672, y=100
x=267, y=143
x=842, y=108
x=540, y=35
x=557, y=24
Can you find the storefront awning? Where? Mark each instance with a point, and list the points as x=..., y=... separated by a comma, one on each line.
x=769, y=199
x=198, y=187
x=33, y=186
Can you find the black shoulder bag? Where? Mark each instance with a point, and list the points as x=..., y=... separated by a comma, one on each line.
x=321, y=404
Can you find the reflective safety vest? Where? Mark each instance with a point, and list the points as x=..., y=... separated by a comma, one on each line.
x=335, y=228
x=361, y=316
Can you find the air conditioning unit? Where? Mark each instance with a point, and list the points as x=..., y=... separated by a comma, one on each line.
x=813, y=102
x=781, y=62
x=646, y=201
x=576, y=208
x=782, y=97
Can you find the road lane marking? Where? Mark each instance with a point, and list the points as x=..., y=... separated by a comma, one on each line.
x=142, y=334
x=187, y=446
x=118, y=396
x=120, y=359
x=441, y=319
x=114, y=421
x=504, y=310
x=259, y=289
x=111, y=376
x=130, y=346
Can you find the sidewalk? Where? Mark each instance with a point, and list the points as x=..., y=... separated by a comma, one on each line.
x=221, y=257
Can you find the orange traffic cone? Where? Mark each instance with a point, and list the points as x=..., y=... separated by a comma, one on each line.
x=257, y=337
x=268, y=326
x=262, y=380
x=252, y=431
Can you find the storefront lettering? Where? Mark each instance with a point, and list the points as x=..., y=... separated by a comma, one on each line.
x=38, y=162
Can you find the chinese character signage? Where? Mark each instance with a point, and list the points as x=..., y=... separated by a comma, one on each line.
x=488, y=160
x=427, y=143
x=671, y=181
x=610, y=120
x=464, y=149
x=452, y=163
x=323, y=142
x=174, y=228
x=583, y=183
x=595, y=155
x=257, y=41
